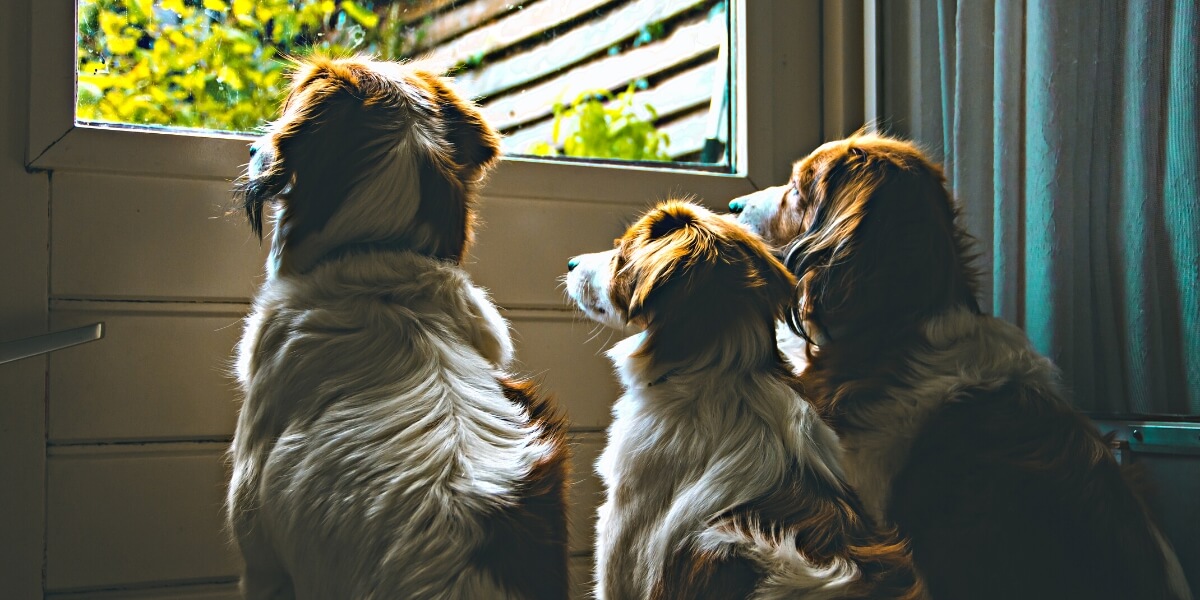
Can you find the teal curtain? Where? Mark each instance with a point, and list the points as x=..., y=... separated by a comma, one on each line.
x=1068, y=130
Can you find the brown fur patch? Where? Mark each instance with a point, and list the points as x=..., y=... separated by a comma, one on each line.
x=693, y=574
x=1013, y=494
x=882, y=248
x=693, y=275
x=448, y=180
x=340, y=117
x=827, y=521
x=525, y=548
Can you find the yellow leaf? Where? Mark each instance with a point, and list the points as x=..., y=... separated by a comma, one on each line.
x=141, y=71
x=178, y=38
x=112, y=24
x=100, y=82
x=365, y=17
x=230, y=77
x=217, y=5
x=93, y=68
x=243, y=10
x=120, y=44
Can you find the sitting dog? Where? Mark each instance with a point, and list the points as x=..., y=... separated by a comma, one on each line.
x=381, y=450
x=954, y=428
x=722, y=482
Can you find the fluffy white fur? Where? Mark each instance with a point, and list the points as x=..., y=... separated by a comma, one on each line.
x=683, y=480
x=361, y=411
x=966, y=351
x=691, y=442
x=376, y=446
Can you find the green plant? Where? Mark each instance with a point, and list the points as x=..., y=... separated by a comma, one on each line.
x=212, y=64
x=598, y=124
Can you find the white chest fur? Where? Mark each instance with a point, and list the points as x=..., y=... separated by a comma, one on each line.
x=684, y=449
x=963, y=350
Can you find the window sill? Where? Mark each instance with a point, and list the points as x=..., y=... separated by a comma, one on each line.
x=223, y=157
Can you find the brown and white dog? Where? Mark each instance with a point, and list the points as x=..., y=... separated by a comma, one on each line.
x=722, y=482
x=954, y=428
x=382, y=450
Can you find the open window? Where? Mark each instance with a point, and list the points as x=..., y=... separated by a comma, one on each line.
x=638, y=80
x=658, y=91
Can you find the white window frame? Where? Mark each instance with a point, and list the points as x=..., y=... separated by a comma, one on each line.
x=777, y=112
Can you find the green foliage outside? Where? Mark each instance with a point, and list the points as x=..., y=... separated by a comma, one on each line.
x=222, y=65
x=212, y=64
x=600, y=125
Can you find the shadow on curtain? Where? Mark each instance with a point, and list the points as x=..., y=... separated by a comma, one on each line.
x=1069, y=133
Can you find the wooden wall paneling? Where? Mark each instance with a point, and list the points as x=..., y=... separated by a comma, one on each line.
x=682, y=45
x=139, y=514
x=127, y=237
x=581, y=577
x=523, y=245
x=161, y=372
x=587, y=493
x=573, y=46
x=565, y=354
x=219, y=591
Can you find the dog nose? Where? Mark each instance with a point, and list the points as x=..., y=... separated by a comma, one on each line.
x=737, y=206
x=253, y=150
x=571, y=264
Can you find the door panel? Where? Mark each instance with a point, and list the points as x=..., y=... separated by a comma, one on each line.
x=136, y=515
x=156, y=375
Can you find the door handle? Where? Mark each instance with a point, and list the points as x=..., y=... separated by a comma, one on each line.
x=41, y=344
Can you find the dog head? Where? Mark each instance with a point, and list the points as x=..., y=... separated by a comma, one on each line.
x=696, y=283
x=368, y=152
x=871, y=235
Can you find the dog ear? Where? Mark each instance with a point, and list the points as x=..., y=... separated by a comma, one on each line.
x=445, y=218
x=699, y=282
x=476, y=146
x=327, y=131
x=252, y=195
x=776, y=285
x=672, y=249
x=313, y=90
x=883, y=249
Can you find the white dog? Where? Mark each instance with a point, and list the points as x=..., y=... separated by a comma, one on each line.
x=722, y=482
x=381, y=450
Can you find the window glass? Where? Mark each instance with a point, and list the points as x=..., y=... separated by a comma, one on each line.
x=639, y=80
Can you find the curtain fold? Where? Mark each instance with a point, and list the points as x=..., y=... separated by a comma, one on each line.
x=1069, y=133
